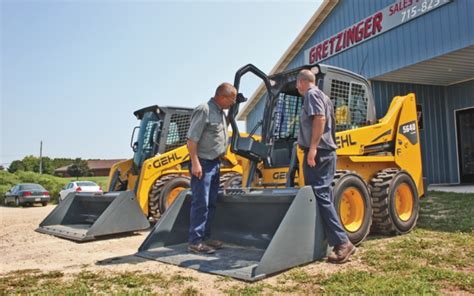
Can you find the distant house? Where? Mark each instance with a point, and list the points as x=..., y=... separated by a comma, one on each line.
x=98, y=167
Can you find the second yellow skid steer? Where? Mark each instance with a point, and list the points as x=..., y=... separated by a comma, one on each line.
x=141, y=188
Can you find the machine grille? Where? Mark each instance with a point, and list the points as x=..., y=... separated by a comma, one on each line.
x=177, y=132
x=287, y=116
x=350, y=101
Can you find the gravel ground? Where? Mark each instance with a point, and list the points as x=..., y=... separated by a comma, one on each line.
x=23, y=248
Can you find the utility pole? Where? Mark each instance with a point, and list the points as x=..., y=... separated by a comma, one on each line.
x=41, y=157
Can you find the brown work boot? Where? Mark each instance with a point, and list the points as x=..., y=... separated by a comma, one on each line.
x=215, y=244
x=200, y=248
x=342, y=252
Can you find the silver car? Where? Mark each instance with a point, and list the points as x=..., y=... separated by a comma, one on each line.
x=79, y=186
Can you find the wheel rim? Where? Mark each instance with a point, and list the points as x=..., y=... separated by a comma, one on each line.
x=351, y=209
x=404, y=202
x=173, y=195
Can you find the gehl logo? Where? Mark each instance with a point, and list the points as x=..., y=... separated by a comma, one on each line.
x=166, y=160
x=279, y=175
x=344, y=141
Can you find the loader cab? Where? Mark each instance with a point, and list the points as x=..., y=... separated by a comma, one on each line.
x=161, y=129
x=350, y=94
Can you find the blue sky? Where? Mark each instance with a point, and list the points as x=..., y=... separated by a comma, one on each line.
x=73, y=72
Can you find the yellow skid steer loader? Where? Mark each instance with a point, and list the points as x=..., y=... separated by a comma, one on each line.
x=141, y=188
x=272, y=223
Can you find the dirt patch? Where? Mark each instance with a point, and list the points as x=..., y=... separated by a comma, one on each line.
x=23, y=248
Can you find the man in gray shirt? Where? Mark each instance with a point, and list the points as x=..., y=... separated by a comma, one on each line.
x=317, y=139
x=207, y=143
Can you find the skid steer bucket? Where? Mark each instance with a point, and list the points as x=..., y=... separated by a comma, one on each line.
x=84, y=217
x=264, y=232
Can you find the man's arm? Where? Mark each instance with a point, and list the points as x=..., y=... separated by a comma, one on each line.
x=196, y=128
x=317, y=130
x=195, y=164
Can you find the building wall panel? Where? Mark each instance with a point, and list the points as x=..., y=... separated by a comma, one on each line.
x=440, y=31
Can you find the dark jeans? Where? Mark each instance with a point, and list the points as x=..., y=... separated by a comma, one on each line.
x=203, y=200
x=320, y=178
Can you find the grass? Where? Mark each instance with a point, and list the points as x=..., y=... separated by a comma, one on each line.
x=436, y=258
x=450, y=212
x=87, y=282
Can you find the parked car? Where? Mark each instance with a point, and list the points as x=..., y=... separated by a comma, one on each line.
x=27, y=194
x=79, y=186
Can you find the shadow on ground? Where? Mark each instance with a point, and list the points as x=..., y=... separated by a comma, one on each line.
x=128, y=259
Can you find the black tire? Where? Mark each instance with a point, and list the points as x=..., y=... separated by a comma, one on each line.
x=387, y=188
x=155, y=208
x=44, y=203
x=154, y=195
x=353, y=205
x=5, y=202
x=171, y=189
x=230, y=180
x=17, y=202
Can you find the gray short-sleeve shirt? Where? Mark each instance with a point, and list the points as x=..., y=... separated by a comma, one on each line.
x=208, y=129
x=315, y=102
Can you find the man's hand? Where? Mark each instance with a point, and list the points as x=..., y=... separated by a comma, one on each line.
x=311, y=158
x=197, y=170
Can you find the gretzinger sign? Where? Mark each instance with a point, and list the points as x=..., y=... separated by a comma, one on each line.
x=380, y=22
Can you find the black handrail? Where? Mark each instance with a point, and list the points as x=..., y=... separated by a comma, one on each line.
x=241, y=99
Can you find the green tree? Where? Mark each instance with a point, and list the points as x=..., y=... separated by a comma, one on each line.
x=16, y=165
x=78, y=168
x=31, y=163
x=47, y=166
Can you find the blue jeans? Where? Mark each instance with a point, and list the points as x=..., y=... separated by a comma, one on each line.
x=320, y=178
x=203, y=200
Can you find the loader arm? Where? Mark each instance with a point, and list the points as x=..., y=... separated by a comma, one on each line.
x=119, y=176
x=375, y=138
x=395, y=139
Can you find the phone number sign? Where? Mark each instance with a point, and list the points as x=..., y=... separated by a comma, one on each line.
x=378, y=23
